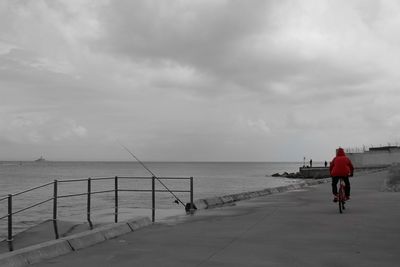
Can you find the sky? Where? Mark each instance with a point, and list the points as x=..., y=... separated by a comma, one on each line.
x=199, y=80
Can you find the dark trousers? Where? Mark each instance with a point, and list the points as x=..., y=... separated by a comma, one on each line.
x=335, y=181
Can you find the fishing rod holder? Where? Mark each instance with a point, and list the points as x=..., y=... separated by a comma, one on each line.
x=54, y=191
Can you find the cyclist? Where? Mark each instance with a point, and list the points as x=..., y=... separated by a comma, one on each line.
x=341, y=167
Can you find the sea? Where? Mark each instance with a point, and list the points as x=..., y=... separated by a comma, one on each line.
x=209, y=179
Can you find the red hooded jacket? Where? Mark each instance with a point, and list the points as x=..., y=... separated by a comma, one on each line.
x=341, y=165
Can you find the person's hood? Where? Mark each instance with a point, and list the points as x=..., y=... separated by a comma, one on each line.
x=340, y=152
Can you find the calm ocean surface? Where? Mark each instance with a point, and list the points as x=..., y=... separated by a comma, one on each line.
x=210, y=179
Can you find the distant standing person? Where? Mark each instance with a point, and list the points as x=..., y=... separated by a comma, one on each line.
x=326, y=164
x=310, y=163
x=341, y=167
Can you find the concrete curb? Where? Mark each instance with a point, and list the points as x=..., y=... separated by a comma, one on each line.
x=213, y=202
x=113, y=231
x=54, y=248
x=84, y=239
x=36, y=253
x=138, y=223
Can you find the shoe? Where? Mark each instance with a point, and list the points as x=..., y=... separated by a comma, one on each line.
x=335, y=199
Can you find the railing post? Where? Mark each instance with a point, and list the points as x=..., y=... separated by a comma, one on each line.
x=191, y=194
x=55, y=195
x=116, y=200
x=10, y=237
x=153, y=198
x=89, y=192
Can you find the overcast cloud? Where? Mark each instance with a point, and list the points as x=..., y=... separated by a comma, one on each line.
x=197, y=80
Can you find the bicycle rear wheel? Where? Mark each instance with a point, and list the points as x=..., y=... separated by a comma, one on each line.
x=341, y=199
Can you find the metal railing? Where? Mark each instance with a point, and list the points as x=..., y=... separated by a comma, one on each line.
x=89, y=193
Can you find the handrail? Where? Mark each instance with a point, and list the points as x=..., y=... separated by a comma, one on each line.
x=148, y=190
x=73, y=195
x=189, y=206
x=29, y=207
x=149, y=178
x=72, y=180
x=85, y=179
x=32, y=206
x=102, y=178
x=31, y=189
x=101, y=192
x=85, y=194
x=120, y=177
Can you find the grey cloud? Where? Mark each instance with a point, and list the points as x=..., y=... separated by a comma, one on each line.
x=182, y=31
x=206, y=37
x=218, y=41
x=231, y=79
x=38, y=127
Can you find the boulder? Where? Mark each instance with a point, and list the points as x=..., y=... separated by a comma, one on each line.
x=299, y=175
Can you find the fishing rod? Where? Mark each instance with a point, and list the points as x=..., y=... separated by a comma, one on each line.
x=177, y=200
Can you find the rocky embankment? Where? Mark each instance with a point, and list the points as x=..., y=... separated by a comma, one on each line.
x=306, y=172
x=295, y=175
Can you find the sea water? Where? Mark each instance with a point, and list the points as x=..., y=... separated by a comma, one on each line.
x=210, y=179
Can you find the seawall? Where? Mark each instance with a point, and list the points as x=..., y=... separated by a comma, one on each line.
x=50, y=249
x=375, y=158
x=213, y=202
x=314, y=172
x=65, y=245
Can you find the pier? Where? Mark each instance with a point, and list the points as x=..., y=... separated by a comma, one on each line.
x=314, y=172
x=300, y=227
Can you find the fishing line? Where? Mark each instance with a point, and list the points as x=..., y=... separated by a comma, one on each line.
x=177, y=200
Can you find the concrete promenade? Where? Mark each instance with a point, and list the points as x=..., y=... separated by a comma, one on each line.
x=298, y=228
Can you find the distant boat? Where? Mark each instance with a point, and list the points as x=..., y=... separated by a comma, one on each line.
x=41, y=159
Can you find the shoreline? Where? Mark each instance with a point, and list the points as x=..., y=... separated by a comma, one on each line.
x=72, y=229
x=105, y=215
x=265, y=223
x=275, y=230
x=134, y=204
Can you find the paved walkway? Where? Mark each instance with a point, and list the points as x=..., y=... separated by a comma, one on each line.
x=299, y=228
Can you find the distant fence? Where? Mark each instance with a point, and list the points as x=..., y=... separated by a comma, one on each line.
x=89, y=193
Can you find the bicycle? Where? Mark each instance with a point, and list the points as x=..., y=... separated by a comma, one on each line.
x=341, y=195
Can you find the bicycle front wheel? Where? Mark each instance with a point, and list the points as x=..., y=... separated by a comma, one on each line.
x=341, y=206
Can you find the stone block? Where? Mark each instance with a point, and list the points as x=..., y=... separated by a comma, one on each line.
x=35, y=254
x=115, y=230
x=227, y=199
x=85, y=239
x=213, y=202
x=13, y=259
x=140, y=222
x=200, y=204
